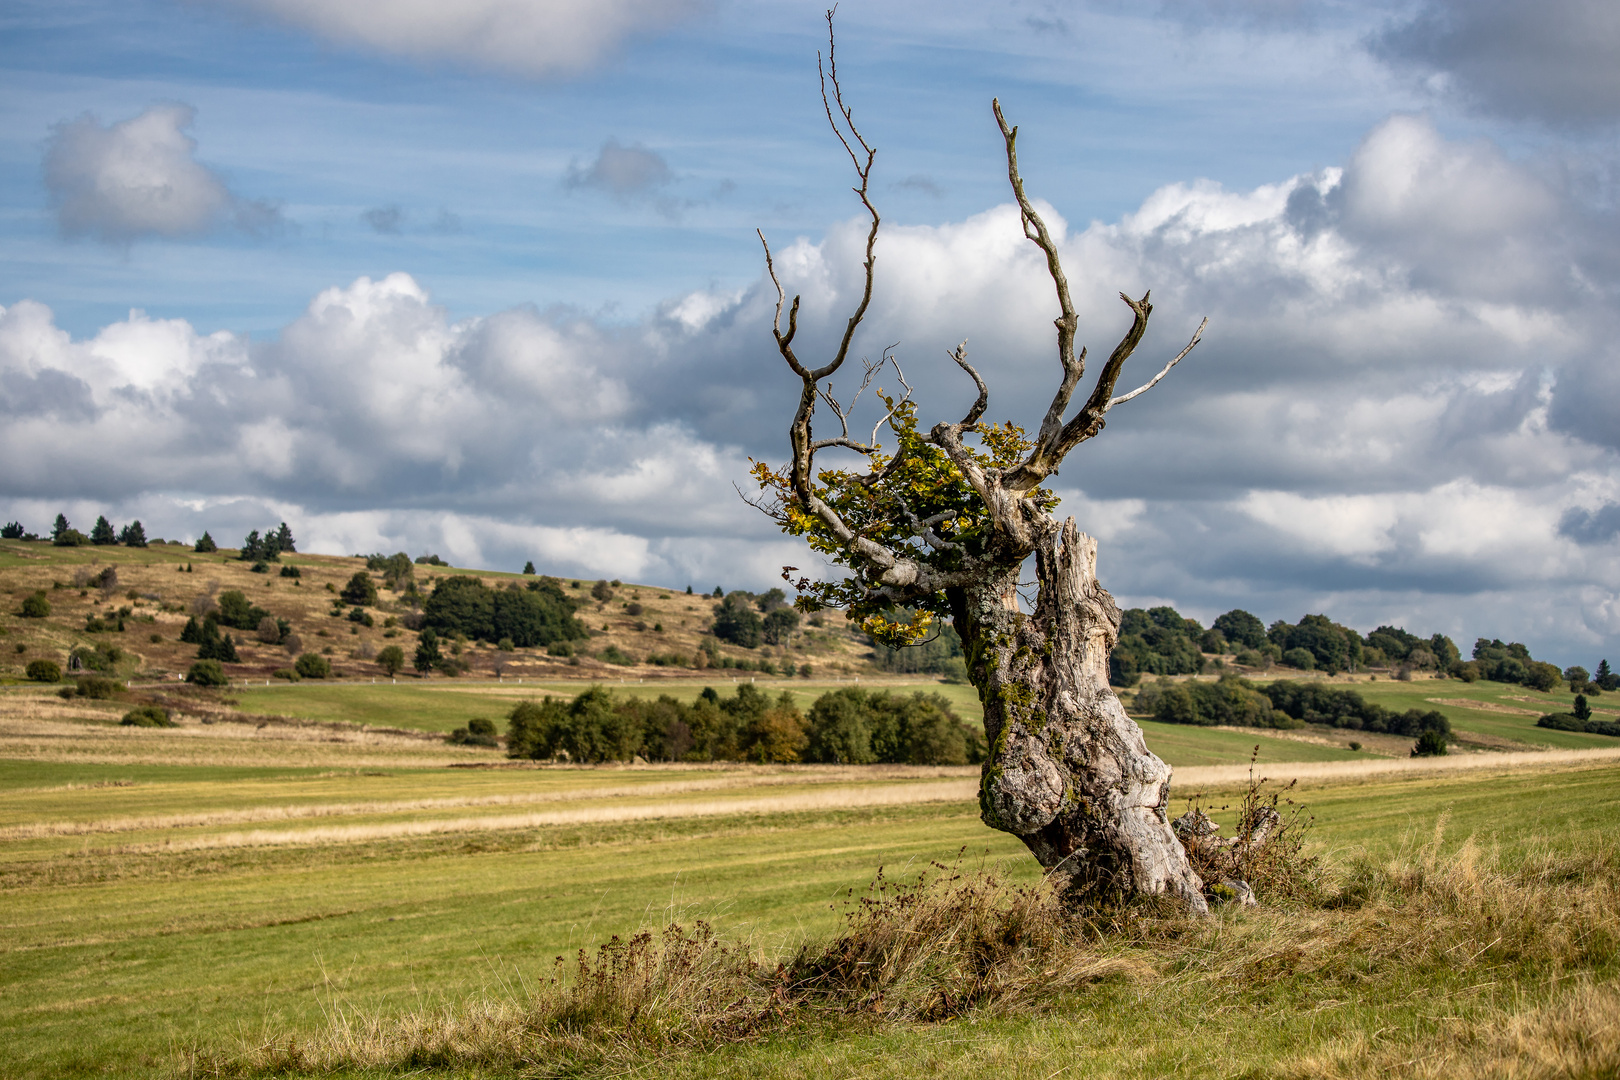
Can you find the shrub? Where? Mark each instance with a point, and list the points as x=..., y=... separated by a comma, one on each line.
x=205, y=544
x=44, y=671
x=206, y=673
x=614, y=655
x=361, y=616
x=601, y=591
x=94, y=686
x=285, y=673
x=1300, y=658
x=313, y=666
x=560, y=648
x=147, y=716
x=361, y=591
x=270, y=630
x=391, y=659
x=430, y=560
x=478, y=732
x=12, y=530
x=1431, y=743
x=36, y=606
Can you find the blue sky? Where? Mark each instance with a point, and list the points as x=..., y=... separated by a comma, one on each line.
x=482, y=279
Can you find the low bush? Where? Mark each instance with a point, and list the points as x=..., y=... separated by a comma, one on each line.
x=615, y=655
x=313, y=666
x=94, y=686
x=207, y=673
x=478, y=732
x=291, y=572
x=44, y=671
x=1431, y=743
x=563, y=649
x=1571, y=722
x=36, y=606
x=147, y=716
x=285, y=673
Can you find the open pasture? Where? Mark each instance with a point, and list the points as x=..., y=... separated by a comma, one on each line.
x=162, y=899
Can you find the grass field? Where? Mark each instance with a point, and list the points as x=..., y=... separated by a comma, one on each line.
x=166, y=898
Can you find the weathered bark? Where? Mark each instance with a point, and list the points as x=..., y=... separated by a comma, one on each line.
x=1069, y=773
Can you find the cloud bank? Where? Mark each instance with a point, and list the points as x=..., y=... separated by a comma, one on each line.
x=1402, y=410
x=140, y=178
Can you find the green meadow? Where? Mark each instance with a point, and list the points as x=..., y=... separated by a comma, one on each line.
x=158, y=914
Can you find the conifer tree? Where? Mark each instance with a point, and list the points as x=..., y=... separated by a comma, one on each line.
x=103, y=532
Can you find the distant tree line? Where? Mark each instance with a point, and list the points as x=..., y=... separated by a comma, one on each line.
x=749, y=619
x=848, y=726
x=1282, y=704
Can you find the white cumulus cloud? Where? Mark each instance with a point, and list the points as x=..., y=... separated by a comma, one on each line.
x=139, y=178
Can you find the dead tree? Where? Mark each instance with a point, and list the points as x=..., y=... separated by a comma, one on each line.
x=940, y=527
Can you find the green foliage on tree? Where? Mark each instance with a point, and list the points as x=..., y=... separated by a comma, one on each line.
x=736, y=621
x=1241, y=628
x=1157, y=641
x=858, y=727
x=478, y=732
x=36, y=606
x=13, y=530
x=1581, y=710
x=70, y=538
x=290, y=571
x=238, y=612
x=133, y=535
x=1604, y=678
x=538, y=613
x=312, y=666
x=205, y=544
x=360, y=591
x=207, y=673
x=1319, y=703
x=217, y=648
x=779, y=625
x=1431, y=743
x=397, y=570
x=940, y=653
x=60, y=526
x=528, y=567
x=391, y=658
x=102, y=532
x=1231, y=701
x=1303, y=659
x=44, y=671
x=427, y=655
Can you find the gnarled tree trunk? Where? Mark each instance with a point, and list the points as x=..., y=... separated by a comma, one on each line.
x=938, y=520
x=1069, y=773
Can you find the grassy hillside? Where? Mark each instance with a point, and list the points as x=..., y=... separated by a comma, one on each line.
x=156, y=594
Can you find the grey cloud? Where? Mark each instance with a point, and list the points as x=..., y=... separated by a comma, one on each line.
x=540, y=38
x=139, y=178
x=1553, y=61
x=49, y=392
x=922, y=184
x=625, y=172
x=384, y=219
x=1591, y=526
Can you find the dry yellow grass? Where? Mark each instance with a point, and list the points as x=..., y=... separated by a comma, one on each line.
x=836, y=798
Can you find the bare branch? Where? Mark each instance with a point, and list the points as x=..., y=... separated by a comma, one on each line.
x=864, y=172
x=1174, y=360
x=959, y=354
x=888, y=356
x=784, y=343
x=1035, y=229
